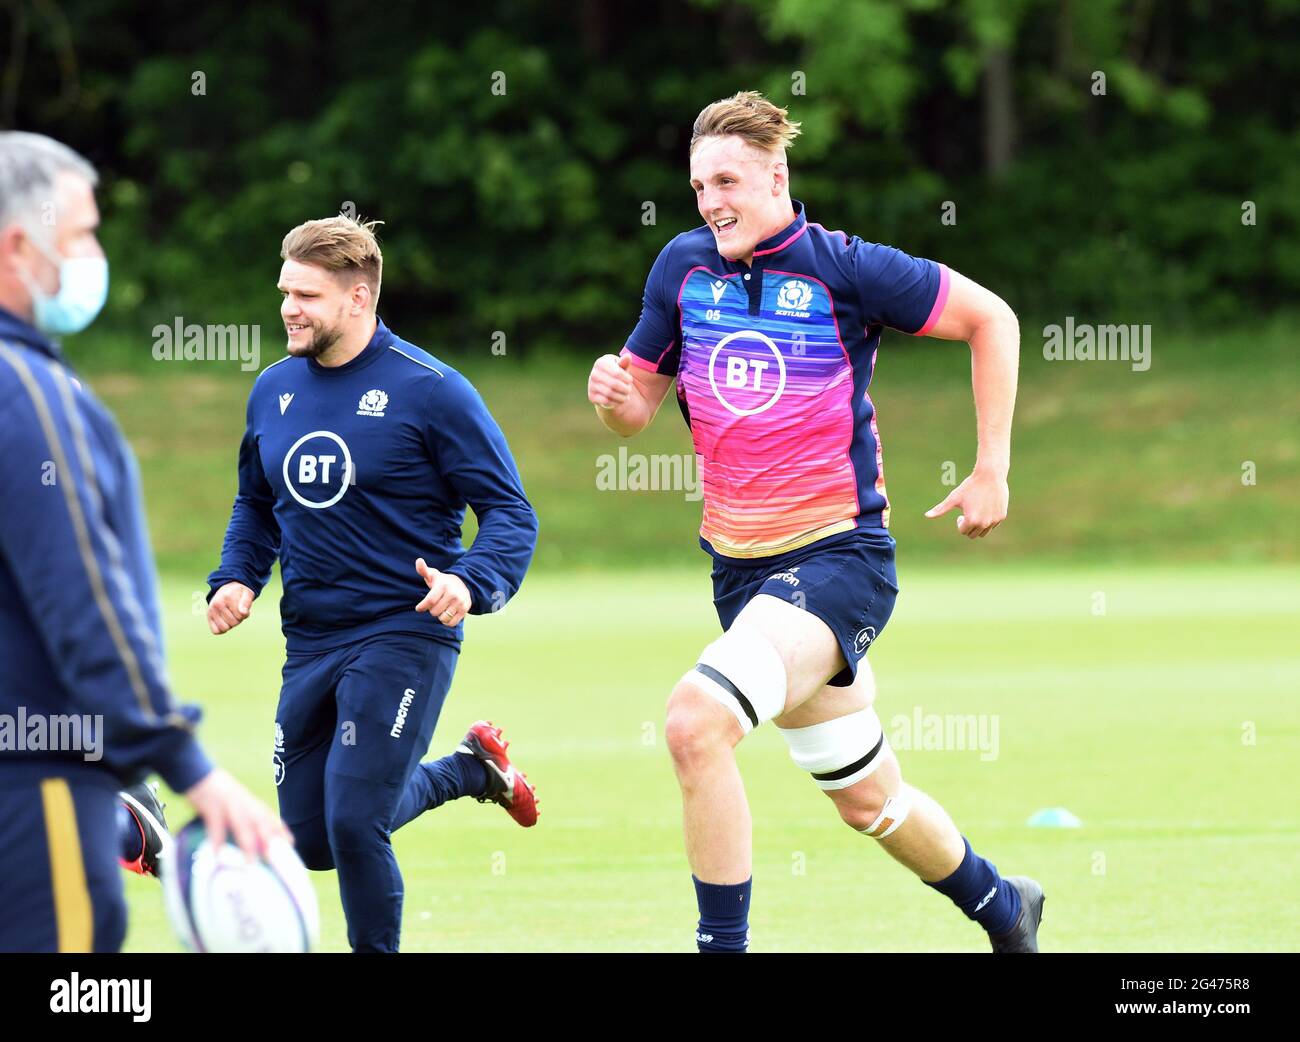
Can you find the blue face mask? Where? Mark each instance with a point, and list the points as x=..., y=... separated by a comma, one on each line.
x=83, y=289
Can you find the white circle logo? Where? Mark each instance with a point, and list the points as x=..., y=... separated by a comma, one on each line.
x=318, y=468
x=864, y=638
x=748, y=376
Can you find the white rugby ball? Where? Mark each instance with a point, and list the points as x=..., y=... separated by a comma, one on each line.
x=220, y=901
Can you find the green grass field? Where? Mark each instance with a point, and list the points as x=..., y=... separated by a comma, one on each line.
x=1109, y=464
x=1167, y=724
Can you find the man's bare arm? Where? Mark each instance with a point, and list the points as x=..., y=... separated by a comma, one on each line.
x=626, y=397
x=983, y=319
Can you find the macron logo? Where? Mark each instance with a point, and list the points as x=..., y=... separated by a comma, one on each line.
x=285, y=399
x=719, y=288
x=408, y=696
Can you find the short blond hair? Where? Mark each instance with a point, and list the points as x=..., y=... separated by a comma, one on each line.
x=749, y=116
x=339, y=244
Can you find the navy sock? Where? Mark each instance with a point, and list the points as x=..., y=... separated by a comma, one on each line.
x=978, y=890
x=434, y=782
x=724, y=916
x=460, y=774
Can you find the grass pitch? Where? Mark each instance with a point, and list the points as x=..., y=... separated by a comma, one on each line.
x=1157, y=705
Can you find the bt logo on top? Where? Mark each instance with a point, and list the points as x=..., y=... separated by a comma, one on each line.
x=318, y=469
x=747, y=372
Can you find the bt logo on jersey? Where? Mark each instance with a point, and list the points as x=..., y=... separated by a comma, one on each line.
x=738, y=370
x=747, y=372
x=308, y=466
x=318, y=469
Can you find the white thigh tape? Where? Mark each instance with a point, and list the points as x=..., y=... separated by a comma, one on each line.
x=839, y=752
x=743, y=671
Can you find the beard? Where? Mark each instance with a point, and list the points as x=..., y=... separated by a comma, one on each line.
x=321, y=341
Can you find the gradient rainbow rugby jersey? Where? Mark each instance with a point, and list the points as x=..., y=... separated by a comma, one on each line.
x=772, y=365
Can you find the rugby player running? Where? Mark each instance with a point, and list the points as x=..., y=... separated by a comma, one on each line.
x=768, y=326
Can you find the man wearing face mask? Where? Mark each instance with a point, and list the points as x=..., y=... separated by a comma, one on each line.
x=85, y=703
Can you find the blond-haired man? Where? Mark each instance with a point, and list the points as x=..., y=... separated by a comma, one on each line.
x=361, y=454
x=768, y=326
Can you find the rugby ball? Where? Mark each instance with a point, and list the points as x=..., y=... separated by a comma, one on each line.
x=220, y=901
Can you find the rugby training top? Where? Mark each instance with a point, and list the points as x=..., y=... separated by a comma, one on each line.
x=349, y=473
x=80, y=628
x=772, y=365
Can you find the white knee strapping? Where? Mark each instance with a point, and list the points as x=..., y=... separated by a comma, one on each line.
x=744, y=672
x=839, y=752
x=893, y=814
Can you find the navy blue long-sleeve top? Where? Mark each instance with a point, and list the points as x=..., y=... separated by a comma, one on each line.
x=80, y=632
x=349, y=473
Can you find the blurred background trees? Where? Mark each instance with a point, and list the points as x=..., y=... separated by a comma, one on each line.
x=1101, y=155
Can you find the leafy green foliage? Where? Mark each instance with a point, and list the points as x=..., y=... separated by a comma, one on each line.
x=511, y=150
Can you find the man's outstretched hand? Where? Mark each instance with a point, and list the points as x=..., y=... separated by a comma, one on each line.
x=982, y=499
x=229, y=809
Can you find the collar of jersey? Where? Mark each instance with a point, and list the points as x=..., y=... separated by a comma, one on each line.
x=14, y=328
x=783, y=239
x=377, y=346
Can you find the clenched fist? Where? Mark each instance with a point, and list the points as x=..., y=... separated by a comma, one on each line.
x=610, y=383
x=230, y=606
x=448, y=599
